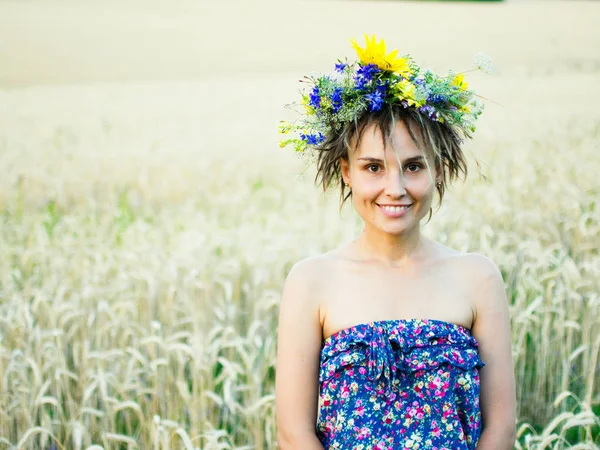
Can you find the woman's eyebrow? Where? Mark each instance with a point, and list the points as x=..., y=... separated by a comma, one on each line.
x=412, y=159
x=370, y=159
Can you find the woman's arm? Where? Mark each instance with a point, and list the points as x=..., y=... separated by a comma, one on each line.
x=298, y=351
x=491, y=328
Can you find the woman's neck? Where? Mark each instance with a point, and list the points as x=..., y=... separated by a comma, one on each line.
x=393, y=250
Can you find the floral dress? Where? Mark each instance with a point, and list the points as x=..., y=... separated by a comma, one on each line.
x=400, y=384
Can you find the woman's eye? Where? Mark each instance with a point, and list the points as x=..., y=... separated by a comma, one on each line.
x=413, y=167
x=373, y=168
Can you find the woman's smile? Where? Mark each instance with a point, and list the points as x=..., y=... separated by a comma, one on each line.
x=394, y=211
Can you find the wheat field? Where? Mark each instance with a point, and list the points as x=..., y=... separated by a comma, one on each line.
x=149, y=217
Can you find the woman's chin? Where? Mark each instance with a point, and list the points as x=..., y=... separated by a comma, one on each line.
x=396, y=229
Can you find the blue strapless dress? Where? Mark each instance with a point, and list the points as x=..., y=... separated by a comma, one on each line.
x=400, y=384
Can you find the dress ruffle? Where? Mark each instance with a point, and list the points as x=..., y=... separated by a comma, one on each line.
x=382, y=348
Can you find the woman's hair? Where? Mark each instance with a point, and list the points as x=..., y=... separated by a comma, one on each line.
x=432, y=137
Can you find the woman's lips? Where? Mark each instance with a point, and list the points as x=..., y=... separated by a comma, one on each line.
x=394, y=210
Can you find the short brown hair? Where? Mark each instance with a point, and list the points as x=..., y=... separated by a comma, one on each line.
x=443, y=141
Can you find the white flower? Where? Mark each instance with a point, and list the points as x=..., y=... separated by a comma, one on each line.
x=484, y=62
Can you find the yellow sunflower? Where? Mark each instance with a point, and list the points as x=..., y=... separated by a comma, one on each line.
x=459, y=81
x=374, y=53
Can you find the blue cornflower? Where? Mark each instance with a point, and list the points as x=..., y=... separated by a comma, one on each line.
x=339, y=67
x=336, y=99
x=382, y=86
x=436, y=98
x=312, y=139
x=314, y=97
x=365, y=74
x=376, y=100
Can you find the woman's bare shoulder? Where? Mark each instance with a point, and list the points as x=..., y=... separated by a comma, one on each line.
x=473, y=268
x=313, y=270
x=305, y=291
x=473, y=262
x=480, y=276
x=478, y=265
x=307, y=274
x=314, y=278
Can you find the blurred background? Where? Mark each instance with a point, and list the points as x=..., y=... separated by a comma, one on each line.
x=149, y=217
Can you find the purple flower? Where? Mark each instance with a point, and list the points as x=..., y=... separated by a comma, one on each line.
x=375, y=100
x=429, y=111
x=339, y=67
x=364, y=75
x=336, y=99
x=314, y=97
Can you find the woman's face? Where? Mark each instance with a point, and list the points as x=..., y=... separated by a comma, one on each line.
x=392, y=189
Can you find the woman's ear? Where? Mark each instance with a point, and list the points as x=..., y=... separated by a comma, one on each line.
x=438, y=173
x=345, y=167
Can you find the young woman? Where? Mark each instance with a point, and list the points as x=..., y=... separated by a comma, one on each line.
x=392, y=341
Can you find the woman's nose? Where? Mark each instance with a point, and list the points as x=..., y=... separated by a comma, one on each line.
x=395, y=184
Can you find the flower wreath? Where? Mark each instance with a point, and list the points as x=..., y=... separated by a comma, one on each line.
x=355, y=88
